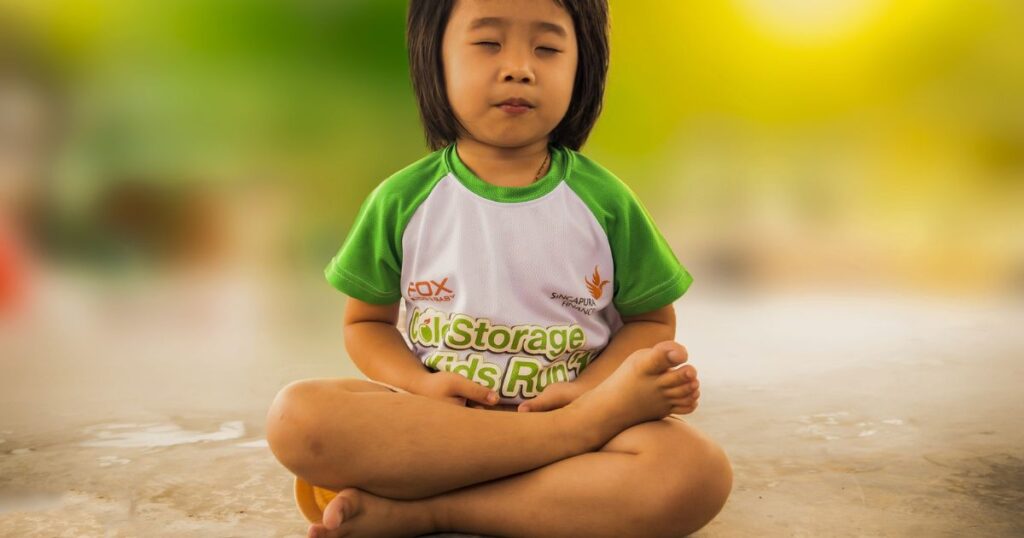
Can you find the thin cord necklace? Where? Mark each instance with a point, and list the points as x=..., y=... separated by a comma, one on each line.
x=536, y=177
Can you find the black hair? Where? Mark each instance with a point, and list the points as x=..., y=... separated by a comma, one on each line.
x=425, y=27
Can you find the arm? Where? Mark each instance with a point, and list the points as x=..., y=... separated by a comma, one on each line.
x=639, y=331
x=377, y=348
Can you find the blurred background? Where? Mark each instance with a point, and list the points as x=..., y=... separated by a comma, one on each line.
x=776, y=142
x=174, y=176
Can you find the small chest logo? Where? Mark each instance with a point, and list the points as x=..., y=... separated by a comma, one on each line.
x=587, y=305
x=596, y=286
x=430, y=290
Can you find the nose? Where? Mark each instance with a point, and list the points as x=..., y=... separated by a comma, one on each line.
x=518, y=75
x=517, y=68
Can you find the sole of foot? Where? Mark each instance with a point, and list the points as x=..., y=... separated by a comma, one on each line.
x=641, y=389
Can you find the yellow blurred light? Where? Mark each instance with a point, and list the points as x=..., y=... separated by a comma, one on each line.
x=810, y=21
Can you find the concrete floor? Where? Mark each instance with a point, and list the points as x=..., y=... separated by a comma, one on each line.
x=139, y=411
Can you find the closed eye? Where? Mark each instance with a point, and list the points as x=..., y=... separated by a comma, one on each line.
x=547, y=50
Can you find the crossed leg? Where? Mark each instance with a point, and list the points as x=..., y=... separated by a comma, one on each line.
x=662, y=477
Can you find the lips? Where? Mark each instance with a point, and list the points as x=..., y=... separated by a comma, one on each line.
x=516, y=102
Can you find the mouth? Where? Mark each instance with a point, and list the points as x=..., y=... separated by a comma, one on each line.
x=518, y=101
x=515, y=106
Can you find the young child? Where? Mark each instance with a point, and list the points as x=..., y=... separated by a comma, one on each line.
x=532, y=280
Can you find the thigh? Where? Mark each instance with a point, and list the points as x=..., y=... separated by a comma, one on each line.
x=371, y=385
x=350, y=384
x=681, y=467
x=368, y=385
x=469, y=403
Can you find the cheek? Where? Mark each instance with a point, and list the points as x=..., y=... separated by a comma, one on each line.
x=565, y=83
x=570, y=73
x=463, y=85
x=563, y=77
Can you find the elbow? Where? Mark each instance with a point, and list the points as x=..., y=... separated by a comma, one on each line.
x=665, y=317
x=666, y=331
x=662, y=322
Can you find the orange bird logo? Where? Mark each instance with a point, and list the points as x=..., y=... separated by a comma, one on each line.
x=596, y=285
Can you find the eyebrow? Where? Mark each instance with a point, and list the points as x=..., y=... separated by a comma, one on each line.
x=501, y=22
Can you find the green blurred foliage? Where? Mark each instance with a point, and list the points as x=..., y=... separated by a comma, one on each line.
x=896, y=123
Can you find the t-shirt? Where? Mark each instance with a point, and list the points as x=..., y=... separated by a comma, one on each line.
x=513, y=287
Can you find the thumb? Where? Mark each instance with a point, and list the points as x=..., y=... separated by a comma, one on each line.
x=545, y=401
x=478, y=393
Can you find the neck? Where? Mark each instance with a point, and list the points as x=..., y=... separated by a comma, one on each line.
x=504, y=167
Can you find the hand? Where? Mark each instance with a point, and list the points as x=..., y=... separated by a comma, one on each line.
x=553, y=396
x=453, y=388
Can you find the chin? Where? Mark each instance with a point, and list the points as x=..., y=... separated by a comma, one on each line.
x=512, y=140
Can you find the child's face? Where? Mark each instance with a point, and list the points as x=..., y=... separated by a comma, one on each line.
x=487, y=62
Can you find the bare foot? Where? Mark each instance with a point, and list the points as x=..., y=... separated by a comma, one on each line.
x=355, y=513
x=649, y=385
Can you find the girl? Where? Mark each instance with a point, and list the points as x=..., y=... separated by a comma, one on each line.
x=534, y=281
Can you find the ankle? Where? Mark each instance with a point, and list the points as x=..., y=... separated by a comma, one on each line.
x=437, y=514
x=582, y=428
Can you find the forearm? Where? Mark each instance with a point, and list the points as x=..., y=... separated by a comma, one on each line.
x=380, y=352
x=632, y=336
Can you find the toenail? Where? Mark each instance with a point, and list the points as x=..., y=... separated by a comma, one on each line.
x=675, y=356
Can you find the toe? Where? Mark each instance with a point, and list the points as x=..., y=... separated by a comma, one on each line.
x=686, y=400
x=687, y=373
x=681, y=410
x=334, y=512
x=655, y=361
x=678, y=392
x=678, y=377
x=675, y=351
x=689, y=403
x=342, y=507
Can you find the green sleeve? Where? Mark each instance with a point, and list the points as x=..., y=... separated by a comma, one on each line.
x=648, y=275
x=368, y=266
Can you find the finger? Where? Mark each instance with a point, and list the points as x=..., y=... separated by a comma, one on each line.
x=461, y=402
x=545, y=402
x=477, y=392
x=533, y=404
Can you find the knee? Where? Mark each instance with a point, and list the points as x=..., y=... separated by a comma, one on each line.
x=696, y=491
x=292, y=432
